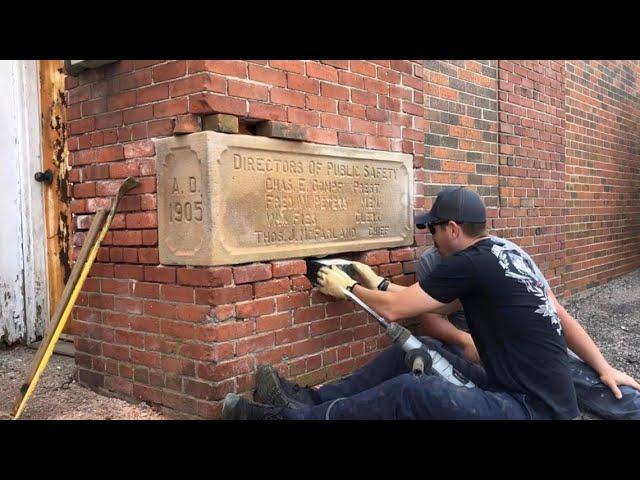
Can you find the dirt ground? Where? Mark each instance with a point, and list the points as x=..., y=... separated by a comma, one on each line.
x=609, y=313
x=57, y=395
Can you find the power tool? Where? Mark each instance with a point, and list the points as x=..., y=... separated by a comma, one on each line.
x=418, y=357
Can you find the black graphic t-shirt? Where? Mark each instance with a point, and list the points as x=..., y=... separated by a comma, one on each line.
x=513, y=322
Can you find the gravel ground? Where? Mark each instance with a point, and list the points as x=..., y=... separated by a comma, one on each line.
x=609, y=313
x=611, y=316
x=57, y=395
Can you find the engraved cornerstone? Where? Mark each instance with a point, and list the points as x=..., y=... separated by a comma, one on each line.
x=228, y=199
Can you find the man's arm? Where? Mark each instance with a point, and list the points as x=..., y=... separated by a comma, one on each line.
x=446, y=309
x=413, y=301
x=371, y=280
x=438, y=326
x=435, y=324
x=403, y=303
x=581, y=343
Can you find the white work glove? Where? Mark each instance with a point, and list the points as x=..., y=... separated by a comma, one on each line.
x=367, y=276
x=332, y=280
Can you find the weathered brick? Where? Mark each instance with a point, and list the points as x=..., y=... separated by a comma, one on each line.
x=144, y=148
x=175, y=293
x=292, y=300
x=127, y=305
x=187, y=124
x=300, y=283
x=159, y=274
x=273, y=322
x=271, y=287
x=222, y=332
x=192, y=313
x=291, y=335
x=267, y=75
x=159, y=309
x=309, y=314
x=211, y=277
x=225, y=370
x=267, y=112
x=225, y=295
x=242, y=89
x=208, y=103
x=232, y=68
x=255, y=343
x=284, y=130
x=255, y=308
x=221, y=123
x=177, y=106
x=180, y=366
x=152, y=94
x=252, y=273
x=145, y=324
x=169, y=70
x=287, y=97
x=177, y=329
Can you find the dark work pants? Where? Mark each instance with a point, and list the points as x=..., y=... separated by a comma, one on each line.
x=595, y=397
x=384, y=389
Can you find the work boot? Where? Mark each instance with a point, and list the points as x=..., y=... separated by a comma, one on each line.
x=273, y=390
x=236, y=407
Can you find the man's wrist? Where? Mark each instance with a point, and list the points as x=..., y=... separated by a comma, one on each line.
x=603, y=370
x=350, y=287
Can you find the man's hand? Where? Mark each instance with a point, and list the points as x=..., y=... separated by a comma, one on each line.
x=470, y=352
x=367, y=276
x=612, y=378
x=332, y=280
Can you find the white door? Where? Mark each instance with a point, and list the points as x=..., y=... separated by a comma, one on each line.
x=24, y=306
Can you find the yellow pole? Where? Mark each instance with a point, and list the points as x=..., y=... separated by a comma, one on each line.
x=65, y=316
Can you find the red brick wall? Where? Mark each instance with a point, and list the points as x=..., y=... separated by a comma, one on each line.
x=532, y=169
x=551, y=146
x=184, y=337
x=602, y=171
x=461, y=131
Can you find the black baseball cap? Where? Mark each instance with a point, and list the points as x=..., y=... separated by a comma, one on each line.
x=454, y=203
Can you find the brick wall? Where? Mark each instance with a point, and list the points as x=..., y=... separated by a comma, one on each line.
x=184, y=337
x=532, y=166
x=602, y=171
x=461, y=140
x=551, y=146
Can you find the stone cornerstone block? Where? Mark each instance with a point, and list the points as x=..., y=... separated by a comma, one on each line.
x=229, y=199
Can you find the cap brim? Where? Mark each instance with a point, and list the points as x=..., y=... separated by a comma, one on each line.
x=421, y=221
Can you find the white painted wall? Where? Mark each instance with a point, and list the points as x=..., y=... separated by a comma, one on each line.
x=24, y=306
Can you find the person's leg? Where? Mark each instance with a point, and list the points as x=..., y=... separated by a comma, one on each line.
x=273, y=390
x=388, y=364
x=597, y=398
x=423, y=397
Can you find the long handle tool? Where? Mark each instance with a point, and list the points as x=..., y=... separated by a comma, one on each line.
x=418, y=357
x=97, y=232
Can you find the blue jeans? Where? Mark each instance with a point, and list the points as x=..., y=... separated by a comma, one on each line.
x=389, y=372
x=385, y=389
x=595, y=397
